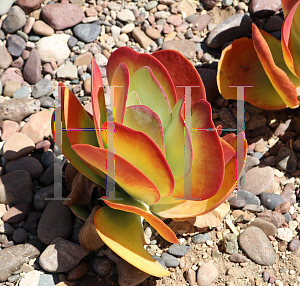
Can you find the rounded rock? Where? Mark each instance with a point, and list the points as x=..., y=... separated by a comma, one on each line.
x=14, y=21
x=207, y=274
x=19, y=235
x=16, y=214
x=17, y=145
x=51, y=224
x=15, y=45
x=41, y=28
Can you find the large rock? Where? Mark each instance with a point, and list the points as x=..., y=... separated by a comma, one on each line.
x=5, y=6
x=61, y=16
x=87, y=32
x=61, y=256
x=233, y=27
x=53, y=48
x=185, y=47
x=257, y=246
x=39, y=126
x=17, y=109
x=14, y=21
x=264, y=8
x=16, y=188
x=12, y=258
x=32, y=68
x=56, y=221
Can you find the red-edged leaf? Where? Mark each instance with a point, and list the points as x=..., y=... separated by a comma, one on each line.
x=140, y=150
x=128, y=177
x=182, y=73
x=135, y=61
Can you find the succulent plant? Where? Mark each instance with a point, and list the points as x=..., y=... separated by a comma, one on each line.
x=160, y=169
x=271, y=66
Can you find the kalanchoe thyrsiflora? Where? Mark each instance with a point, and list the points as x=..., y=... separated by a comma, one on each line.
x=154, y=155
x=271, y=66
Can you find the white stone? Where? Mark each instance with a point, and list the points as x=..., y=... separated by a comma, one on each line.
x=67, y=71
x=31, y=278
x=285, y=234
x=53, y=48
x=125, y=15
x=128, y=28
x=5, y=6
x=101, y=60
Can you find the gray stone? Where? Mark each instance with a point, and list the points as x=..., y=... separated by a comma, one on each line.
x=233, y=27
x=49, y=280
x=257, y=246
x=17, y=109
x=170, y=260
x=47, y=178
x=42, y=88
x=150, y=5
x=52, y=225
x=40, y=201
x=201, y=237
x=61, y=256
x=16, y=188
x=47, y=102
x=22, y=92
x=87, y=32
x=15, y=45
x=270, y=200
x=230, y=243
x=250, y=163
x=249, y=197
x=14, y=21
x=236, y=257
x=12, y=258
x=178, y=250
x=102, y=266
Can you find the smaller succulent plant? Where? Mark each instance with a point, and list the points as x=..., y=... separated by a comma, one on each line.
x=155, y=158
x=270, y=66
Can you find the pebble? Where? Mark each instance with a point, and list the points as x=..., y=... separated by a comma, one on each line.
x=286, y=160
x=151, y=5
x=47, y=158
x=201, y=22
x=21, y=254
x=86, y=32
x=141, y=38
x=22, y=92
x=16, y=213
x=257, y=246
x=10, y=88
x=267, y=227
x=16, y=188
x=178, y=250
x=270, y=201
x=201, y=238
x=26, y=163
x=5, y=57
x=15, y=45
x=53, y=48
x=12, y=74
x=170, y=260
x=39, y=126
x=152, y=33
x=83, y=59
x=283, y=207
x=55, y=15
x=102, y=266
x=61, y=256
x=31, y=222
x=14, y=21
x=185, y=47
x=238, y=258
x=77, y=272
x=264, y=8
x=248, y=197
x=19, y=235
x=67, y=72
x=274, y=217
x=294, y=244
x=50, y=226
x=285, y=234
x=40, y=196
x=207, y=274
x=259, y=179
x=237, y=202
x=42, y=88
x=5, y=6
x=17, y=145
x=6, y=228
x=31, y=278
x=41, y=28
x=230, y=243
x=125, y=16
